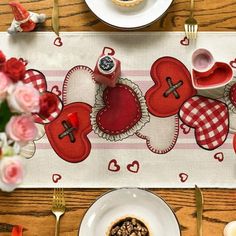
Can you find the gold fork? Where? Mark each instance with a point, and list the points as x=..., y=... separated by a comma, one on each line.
x=191, y=25
x=58, y=207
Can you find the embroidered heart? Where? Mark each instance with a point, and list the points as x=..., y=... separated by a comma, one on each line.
x=185, y=128
x=183, y=177
x=36, y=79
x=184, y=41
x=58, y=42
x=50, y=108
x=71, y=143
x=119, y=112
x=55, y=89
x=133, y=167
x=167, y=127
x=209, y=118
x=172, y=87
x=219, y=75
x=25, y=62
x=233, y=63
x=56, y=177
x=113, y=166
x=219, y=156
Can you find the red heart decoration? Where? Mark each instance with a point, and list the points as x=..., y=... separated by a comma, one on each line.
x=233, y=63
x=133, y=167
x=209, y=118
x=58, y=42
x=56, y=177
x=183, y=177
x=38, y=118
x=25, y=62
x=55, y=89
x=37, y=79
x=113, y=166
x=219, y=75
x=219, y=156
x=172, y=87
x=60, y=137
x=185, y=128
x=184, y=41
x=121, y=112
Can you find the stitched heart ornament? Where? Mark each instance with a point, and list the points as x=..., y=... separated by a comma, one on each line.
x=119, y=111
x=172, y=87
x=209, y=118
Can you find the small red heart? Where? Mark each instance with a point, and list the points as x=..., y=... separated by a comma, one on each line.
x=56, y=177
x=55, y=89
x=186, y=129
x=133, y=167
x=58, y=42
x=219, y=156
x=25, y=62
x=113, y=166
x=233, y=63
x=184, y=41
x=183, y=177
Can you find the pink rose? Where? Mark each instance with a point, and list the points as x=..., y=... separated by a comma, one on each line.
x=11, y=172
x=5, y=82
x=21, y=129
x=23, y=98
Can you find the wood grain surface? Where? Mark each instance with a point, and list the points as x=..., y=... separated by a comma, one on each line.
x=31, y=207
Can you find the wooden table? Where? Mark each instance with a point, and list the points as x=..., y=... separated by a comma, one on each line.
x=31, y=208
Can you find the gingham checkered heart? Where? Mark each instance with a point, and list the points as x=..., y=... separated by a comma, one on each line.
x=37, y=79
x=209, y=118
x=38, y=119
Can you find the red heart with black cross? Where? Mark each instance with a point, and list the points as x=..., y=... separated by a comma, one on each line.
x=209, y=118
x=68, y=133
x=172, y=87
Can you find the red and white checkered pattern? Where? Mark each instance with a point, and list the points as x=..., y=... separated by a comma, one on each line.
x=209, y=118
x=37, y=79
x=53, y=116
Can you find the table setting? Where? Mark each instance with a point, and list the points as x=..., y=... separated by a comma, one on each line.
x=117, y=118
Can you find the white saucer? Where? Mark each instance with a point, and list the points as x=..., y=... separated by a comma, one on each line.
x=117, y=204
x=129, y=18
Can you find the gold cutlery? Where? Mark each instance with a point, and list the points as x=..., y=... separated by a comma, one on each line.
x=191, y=25
x=199, y=204
x=58, y=207
x=55, y=17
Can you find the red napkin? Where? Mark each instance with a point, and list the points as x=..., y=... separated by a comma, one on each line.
x=17, y=231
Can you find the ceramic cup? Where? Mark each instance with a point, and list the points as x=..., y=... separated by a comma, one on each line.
x=202, y=60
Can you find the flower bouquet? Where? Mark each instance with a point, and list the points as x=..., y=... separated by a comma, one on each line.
x=18, y=102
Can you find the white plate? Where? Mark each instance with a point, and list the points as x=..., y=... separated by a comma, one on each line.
x=144, y=205
x=129, y=18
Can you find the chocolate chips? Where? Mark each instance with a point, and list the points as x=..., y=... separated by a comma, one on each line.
x=129, y=227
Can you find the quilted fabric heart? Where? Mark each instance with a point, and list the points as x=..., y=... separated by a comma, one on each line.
x=119, y=112
x=172, y=87
x=209, y=118
x=71, y=143
x=160, y=133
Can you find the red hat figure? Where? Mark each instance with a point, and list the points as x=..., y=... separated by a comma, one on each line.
x=24, y=21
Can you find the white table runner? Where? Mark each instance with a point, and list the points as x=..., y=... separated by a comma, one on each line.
x=184, y=166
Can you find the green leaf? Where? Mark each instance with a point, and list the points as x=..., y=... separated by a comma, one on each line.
x=5, y=115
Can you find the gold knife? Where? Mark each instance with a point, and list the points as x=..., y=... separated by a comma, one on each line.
x=55, y=17
x=199, y=204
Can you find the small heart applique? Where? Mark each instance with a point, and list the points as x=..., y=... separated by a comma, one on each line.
x=184, y=41
x=55, y=89
x=233, y=63
x=186, y=129
x=219, y=156
x=56, y=177
x=183, y=177
x=113, y=166
x=58, y=42
x=133, y=167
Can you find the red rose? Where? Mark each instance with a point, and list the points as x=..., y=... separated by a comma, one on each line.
x=15, y=69
x=48, y=103
x=2, y=57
